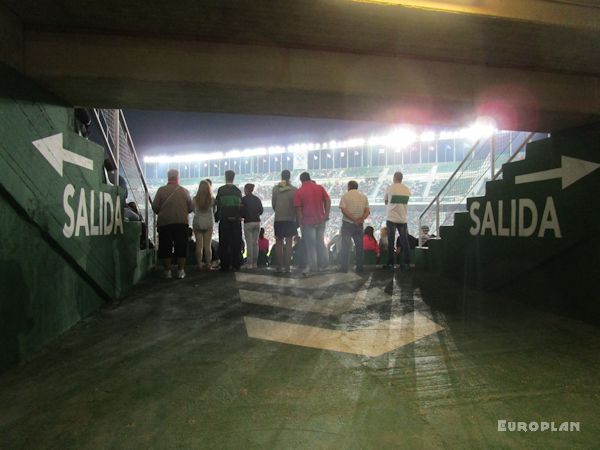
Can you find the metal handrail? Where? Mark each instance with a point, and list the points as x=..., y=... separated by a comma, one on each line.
x=148, y=198
x=495, y=175
x=121, y=125
x=437, y=197
x=135, y=157
x=514, y=155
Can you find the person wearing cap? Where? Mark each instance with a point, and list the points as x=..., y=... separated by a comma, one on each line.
x=251, y=211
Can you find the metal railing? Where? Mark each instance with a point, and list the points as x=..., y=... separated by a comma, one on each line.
x=120, y=150
x=482, y=163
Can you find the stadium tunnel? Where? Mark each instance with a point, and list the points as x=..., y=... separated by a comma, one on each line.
x=491, y=339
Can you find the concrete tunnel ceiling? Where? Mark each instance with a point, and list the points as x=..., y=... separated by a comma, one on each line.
x=532, y=65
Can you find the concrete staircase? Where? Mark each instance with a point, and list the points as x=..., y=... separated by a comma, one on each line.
x=540, y=223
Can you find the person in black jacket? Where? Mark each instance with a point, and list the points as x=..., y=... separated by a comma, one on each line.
x=252, y=209
x=229, y=199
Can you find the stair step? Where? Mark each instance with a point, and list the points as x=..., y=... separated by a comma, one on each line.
x=462, y=220
x=446, y=231
x=511, y=170
x=539, y=150
x=494, y=188
x=470, y=200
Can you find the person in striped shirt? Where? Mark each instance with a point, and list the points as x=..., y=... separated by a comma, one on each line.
x=396, y=200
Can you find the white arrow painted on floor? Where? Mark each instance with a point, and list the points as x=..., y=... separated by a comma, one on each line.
x=372, y=341
x=335, y=305
x=51, y=148
x=313, y=282
x=571, y=170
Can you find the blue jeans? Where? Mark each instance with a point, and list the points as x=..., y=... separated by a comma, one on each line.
x=403, y=236
x=354, y=232
x=251, y=231
x=313, y=237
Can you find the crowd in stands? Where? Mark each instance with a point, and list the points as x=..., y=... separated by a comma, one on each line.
x=328, y=233
x=423, y=181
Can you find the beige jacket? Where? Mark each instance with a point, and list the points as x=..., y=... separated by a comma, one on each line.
x=173, y=204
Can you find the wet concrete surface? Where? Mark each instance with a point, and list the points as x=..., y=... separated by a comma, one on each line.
x=172, y=366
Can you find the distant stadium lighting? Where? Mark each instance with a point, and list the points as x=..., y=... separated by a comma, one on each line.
x=342, y=154
x=381, y=151
x=400, y=138
x=205, y=164
x=225, y=163
x=427, y=136
x=288, y=158
x=482, y=128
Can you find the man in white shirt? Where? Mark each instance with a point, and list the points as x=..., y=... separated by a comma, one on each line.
x=355, y=209
x=396, y=198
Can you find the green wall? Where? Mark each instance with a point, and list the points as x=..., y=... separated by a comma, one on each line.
x=41, y=294
x=57, y=262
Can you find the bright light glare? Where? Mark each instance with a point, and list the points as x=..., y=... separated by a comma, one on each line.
x=400, y=138
x=482, y=128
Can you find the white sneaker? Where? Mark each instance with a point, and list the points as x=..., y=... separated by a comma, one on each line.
x=180, y=274
x=167, y=275
x=306, y=272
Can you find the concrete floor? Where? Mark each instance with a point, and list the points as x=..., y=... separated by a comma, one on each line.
x=173, y=366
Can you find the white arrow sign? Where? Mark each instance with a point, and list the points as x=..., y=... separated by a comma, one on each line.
x=335, y=305
x=571, y=170
x=317, y=282
x=51, y=148
x=374, y=340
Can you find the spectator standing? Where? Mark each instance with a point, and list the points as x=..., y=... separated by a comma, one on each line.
x=229, y=200
x=355, y=209
x=203, y=224
x=173, y=205
x=312, y=205
x=285, y=225
x=252, y=209
x=396, y=199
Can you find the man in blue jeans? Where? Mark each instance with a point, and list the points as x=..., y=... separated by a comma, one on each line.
x=396, y=199
x=355, y=210
x=312, y=205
